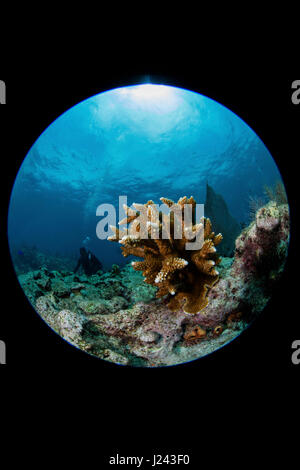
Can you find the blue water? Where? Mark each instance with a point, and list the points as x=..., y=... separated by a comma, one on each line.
x=144, y=142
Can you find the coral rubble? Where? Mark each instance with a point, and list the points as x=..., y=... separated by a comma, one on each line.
x=185, y=275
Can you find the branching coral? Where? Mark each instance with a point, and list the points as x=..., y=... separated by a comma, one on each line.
x=162, y=239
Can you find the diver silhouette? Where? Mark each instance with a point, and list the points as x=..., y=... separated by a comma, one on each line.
x=88, y=261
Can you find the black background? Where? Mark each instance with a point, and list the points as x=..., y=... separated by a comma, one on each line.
x=249, y=384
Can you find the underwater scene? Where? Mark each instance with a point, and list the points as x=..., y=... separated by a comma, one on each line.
x=148, y=226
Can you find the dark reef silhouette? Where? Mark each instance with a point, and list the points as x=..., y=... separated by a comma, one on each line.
x=216, y=210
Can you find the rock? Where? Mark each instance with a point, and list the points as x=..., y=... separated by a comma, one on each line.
x=66, y=273
x=113, y=356
x=117, y=303
x=216, y=210
x=115, y=269
x=53, y=274
x=69, y=326
x=44, y=283
x=95, y=279
x=110, y=288
x=44, y=271
x=100, y=307
x=46, y=308
x=76, y=286
x=30, y=287
x=60, y=289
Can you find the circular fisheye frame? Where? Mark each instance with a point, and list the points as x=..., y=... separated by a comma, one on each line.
x=148, y=226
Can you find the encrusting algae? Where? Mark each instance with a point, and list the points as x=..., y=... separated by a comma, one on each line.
x=184, y=275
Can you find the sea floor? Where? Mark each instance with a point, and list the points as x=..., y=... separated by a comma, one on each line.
x=116, y=317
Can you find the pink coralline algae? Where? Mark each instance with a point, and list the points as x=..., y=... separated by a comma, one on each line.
x=259, y=259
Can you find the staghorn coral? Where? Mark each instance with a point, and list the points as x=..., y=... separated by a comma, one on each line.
x=184, y=275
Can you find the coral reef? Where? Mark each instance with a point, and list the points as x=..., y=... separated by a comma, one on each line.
x=274, y=193
x=185, y=275
x=216, y=210
x=27, y=258
x=116, y=316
